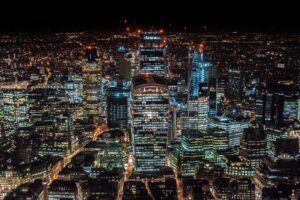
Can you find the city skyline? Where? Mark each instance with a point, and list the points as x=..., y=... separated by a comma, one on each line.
x=152, y=103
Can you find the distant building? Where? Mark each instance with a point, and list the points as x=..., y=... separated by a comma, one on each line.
x=92, y=87
x=153, y=53
x=235, y=84
x=269, y=108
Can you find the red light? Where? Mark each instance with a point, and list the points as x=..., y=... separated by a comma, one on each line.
x=89, y=47
x=161, y=30
x=201, y=47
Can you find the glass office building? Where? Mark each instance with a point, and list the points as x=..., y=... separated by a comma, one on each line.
x=150, y=122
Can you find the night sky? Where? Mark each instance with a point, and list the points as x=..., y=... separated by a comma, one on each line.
x=89, y=15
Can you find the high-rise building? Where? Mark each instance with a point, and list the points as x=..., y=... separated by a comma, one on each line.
x=91, y=77
x=118, y=107
x=153, y=53
x=150, y=122
x=118, y=99
x=203, y=74
x=202, y=92
x=235, y=84
x=269, y=108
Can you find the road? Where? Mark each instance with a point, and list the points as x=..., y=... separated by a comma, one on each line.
x=126, y=176
x=98, y=131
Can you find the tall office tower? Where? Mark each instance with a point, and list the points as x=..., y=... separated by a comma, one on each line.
x=269, y=108
x=15, y=110
x=204, y=73
x=150, y=122
x=253, y=146
x=153, y=53
x=199, y=93
x=118, y=107
x=200, y=71
x=235, y=84
x=91, y=77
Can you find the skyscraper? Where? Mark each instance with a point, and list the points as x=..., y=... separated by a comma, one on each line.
x=117, y=107
x=202, y=72
x=269, y=108
x=150, y=122
x=153, y=53
x=235, y=84
x=91, y=76
x=198, y=97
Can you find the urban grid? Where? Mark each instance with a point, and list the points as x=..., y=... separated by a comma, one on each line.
x=149, y=114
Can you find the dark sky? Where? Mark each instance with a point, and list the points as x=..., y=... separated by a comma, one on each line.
x=109, y=15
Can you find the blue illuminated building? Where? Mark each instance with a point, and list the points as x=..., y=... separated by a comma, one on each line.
x=199, y=73
x=203, y=79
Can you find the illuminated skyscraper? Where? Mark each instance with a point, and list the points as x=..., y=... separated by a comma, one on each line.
x=202, y=92
x=150, y=122
x=91, y=76
x=153, y=53
x=201, y=72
